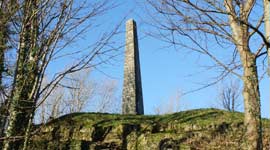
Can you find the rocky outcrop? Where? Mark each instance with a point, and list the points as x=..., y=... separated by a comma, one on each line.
x=195, y=129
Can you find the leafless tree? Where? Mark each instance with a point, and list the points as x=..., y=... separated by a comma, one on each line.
x=41, y=32
x=266, y=4
x=76, y=93
x=172, y=105
x=7, y=10
x=79, y=90
x=71, y=95
x=216, y=29
x=53, y=107
x=107, y=98
x=229, y=96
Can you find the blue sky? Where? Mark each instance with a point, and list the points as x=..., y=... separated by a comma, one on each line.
x=165, y=70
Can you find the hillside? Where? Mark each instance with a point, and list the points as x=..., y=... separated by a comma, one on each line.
x=194, y=129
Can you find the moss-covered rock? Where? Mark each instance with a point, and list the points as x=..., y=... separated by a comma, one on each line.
x=195, y=129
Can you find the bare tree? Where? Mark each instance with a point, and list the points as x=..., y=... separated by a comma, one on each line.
x=107, y=99
x=75, y=94
x=172, y=105
x=266, y=5
x=71, y=95
x=192, y=24
x=53, y=107
x=229, y=96
x=7, y=10
x=41, y=33
x=80, y=89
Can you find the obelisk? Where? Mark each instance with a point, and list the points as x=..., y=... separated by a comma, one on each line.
x=132, y=97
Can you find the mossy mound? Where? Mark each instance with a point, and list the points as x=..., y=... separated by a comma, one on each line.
x=194, y=129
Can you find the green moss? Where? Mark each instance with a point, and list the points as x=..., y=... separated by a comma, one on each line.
x=201, y=128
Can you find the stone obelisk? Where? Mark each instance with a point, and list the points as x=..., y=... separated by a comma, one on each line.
x=132, y=100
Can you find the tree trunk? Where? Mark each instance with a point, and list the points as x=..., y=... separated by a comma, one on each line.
x=3, y=39
x=267, y=29
x=252, y=103
x=22, y=102
x=251, y=94
x=3, y=47
x=233, y=103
